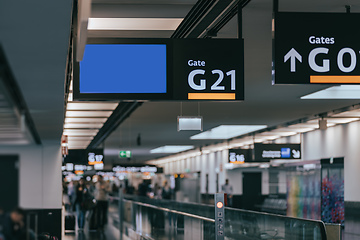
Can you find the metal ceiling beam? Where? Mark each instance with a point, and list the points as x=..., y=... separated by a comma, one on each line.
x=120, y=114
x=14, y=91
x=206, y=18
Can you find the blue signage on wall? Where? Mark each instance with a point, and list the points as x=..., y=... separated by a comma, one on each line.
x=285, y=153
x=267, y=152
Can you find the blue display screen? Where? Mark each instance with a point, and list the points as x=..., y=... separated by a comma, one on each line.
x=123, y=68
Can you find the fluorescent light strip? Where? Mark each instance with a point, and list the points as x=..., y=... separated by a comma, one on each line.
x=80, y=138
x=88, y=113
x=354, y=113
x=170, y=24
x=82, y=125
x=91, y=106
x=336, y=92
x=227, y=131
x=341, y=120
x=84, y=120
x=80, y=132
x=171, y=149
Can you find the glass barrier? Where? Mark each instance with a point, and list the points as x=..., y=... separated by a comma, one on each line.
x=163, y=219
x=242, y=224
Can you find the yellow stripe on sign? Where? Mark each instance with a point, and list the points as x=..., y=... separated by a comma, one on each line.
x=334, y=79
x=211, y=96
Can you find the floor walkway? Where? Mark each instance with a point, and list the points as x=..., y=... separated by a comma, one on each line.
x=110, y=232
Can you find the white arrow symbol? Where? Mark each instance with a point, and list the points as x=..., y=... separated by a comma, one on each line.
x=296, y=154
x=292, y=54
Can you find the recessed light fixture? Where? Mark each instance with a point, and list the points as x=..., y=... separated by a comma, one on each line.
x=336, y=92
x=171, y=149
x=136, y=24
x=227, y=131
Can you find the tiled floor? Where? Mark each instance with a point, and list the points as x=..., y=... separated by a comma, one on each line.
x=110, y=232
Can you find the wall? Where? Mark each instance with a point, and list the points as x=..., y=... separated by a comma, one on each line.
x=212, y=164
x=338, y=141
x=40, y=175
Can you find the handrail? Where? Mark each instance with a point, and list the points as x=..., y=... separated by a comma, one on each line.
x=172, y=211
x=320, y=223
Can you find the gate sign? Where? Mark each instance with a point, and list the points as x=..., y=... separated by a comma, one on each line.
x=208, y=69
x=240, y=156
x=316, y=48
x=267, y=152
x=161, y=69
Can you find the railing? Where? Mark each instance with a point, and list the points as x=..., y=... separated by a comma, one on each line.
x=144, y=218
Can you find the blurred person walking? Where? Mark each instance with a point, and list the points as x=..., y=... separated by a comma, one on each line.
x=81, y=196
x=157, y=191
x=166, y=191
x=12, y=225
x=71, y=195
x=228, y=190
x=101, y=190
x=143, y=189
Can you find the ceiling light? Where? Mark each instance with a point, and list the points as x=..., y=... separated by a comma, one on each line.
x=91, y=106
x=134, y=23
x=316, y=121
x=88, y=113
x=301, y=129
x=227, y=131
x=353, y=113
x=284, y=132
x=171, y=149
x=76, y=132
x=305, y=125
x=80, y=138
x=336, y=92
x=82, y=125
x=70, y=97
x=341, y=120
x=84, y=120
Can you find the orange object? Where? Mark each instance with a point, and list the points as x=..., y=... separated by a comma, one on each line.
x=211, y=96
x=334, y=79
x=94, y=163
x=219, y=204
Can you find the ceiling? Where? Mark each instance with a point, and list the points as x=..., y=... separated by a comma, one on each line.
x=36, y=39
x=264, y=103
x=13, y=129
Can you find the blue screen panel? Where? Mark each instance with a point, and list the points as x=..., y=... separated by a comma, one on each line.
x=123, y=68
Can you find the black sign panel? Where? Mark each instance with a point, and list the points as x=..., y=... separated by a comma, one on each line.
x=84, y=156
x=161, y=69
x=208, y=69
x=240, y=156
x=137, y=168
x=316, y=48
x=267, y=152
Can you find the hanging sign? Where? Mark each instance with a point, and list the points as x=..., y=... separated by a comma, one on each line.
x=267, y=152
x=315, y=48
x=161, y=69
